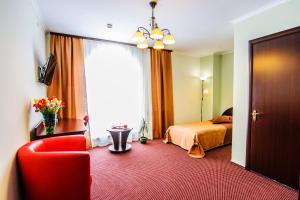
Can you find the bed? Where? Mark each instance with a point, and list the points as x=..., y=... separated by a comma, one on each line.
x=199, y=137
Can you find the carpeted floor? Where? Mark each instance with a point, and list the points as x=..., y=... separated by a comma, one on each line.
x=165, y=171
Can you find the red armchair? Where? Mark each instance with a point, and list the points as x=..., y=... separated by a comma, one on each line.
x=55, y=168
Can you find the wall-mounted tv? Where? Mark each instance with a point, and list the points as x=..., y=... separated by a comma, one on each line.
x=46, y=71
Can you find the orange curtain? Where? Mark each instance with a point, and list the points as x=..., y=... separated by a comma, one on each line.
x=68, y=81
x=162, y=92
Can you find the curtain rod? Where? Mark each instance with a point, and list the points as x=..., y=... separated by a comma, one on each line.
x=98, y=39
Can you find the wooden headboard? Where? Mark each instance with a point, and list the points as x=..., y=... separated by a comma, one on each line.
x=228, y=112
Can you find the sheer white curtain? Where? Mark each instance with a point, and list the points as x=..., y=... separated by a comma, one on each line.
x=118, y=88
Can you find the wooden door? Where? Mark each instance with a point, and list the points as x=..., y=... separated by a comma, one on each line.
x=273, y=146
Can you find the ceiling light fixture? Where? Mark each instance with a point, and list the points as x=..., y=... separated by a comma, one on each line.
x=161, y=37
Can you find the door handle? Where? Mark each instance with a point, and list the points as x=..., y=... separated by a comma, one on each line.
x=255, y=114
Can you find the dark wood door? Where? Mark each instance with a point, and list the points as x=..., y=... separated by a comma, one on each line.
x=274, y=122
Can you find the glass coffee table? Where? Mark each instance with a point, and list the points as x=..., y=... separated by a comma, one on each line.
x=119, y=137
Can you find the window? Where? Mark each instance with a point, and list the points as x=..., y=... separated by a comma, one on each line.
x=115, y=88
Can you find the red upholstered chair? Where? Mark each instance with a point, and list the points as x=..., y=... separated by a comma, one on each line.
x=55, y=168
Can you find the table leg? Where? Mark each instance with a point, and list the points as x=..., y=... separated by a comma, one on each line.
x=116, y=140
x=124, y=139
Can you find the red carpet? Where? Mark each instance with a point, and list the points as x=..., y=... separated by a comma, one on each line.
x=165, y=171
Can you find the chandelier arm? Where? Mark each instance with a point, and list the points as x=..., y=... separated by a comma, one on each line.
x=144, y=30
x=165, y=30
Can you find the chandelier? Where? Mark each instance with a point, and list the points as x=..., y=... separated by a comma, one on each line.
x=161, y=37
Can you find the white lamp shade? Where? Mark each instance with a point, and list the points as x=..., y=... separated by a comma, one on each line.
x=142, y=45
x=169, y=39
x=158, y=44
x=156, y=34
x=138, y=36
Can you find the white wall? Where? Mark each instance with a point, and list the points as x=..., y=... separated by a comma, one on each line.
x=279, y=18
x=186, y=88
x=22, y=48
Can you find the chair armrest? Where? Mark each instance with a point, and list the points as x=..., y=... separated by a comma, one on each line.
x=57, y=175
x=66, y=143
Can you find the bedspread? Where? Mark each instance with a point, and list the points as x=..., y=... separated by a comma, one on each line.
x=197, y=137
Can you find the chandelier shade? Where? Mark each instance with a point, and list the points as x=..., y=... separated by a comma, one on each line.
x=169, y=39
x=142, y=44
x=161, y=37
x=156, y=34
x=138, y=37
x=158, y=44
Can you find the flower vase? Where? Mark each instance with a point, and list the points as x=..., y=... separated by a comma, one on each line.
x=49, y=123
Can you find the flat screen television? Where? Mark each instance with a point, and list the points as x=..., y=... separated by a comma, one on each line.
x=46, y=71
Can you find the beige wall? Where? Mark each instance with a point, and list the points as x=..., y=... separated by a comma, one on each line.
x=22, y=48
x=279, y=18
x=218, y=69
x=206, y=70
x=186, y=88
x=226, y=82
x=217, y=84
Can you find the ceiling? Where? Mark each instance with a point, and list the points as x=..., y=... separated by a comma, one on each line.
x=200, y=27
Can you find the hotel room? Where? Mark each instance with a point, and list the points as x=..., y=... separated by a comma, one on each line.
x=150, y=99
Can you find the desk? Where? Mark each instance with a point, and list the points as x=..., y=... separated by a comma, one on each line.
x=63, y=127
x=119, y=137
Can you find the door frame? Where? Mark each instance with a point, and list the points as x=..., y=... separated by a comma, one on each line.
x=251, y=44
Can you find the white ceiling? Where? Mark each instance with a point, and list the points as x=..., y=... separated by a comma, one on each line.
x=200, y=27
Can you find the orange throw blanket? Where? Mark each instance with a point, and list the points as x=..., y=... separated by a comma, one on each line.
x=196, y=137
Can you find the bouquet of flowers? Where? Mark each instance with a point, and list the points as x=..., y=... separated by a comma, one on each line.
x=50, y=105
x=49, y=108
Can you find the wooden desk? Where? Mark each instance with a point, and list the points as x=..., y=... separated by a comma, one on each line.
x=63, y=127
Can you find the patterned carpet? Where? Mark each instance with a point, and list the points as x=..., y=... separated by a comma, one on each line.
x=164, y=171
